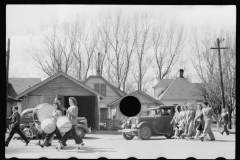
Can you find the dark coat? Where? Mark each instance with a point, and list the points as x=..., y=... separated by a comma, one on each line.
x=224, y=118
x=16, y=118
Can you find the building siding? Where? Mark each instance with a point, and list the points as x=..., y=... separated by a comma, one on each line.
x=60, y=86
x=96, y=80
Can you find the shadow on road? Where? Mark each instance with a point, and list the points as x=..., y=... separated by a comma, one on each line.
x=87, y=149
x=91, y=138
x=223, y=141
x=157, y=139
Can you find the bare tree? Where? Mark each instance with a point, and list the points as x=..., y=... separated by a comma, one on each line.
x=116, y=41
x=168, y=43
x=144, y=59
x=207, y=68
x=55, y=51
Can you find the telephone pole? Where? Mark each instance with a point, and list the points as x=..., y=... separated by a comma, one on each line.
x=220, y=67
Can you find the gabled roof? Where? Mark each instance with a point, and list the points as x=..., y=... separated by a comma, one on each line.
x=115, y=89
x=164, y=83
x=22, y=84
x=53, y=77
x=132, y=94
x=181, y=89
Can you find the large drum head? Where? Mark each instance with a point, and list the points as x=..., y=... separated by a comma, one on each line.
x=43, y=111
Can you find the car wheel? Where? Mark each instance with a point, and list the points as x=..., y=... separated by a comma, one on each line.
x=127, y=137
x=28, y=133
x=145, y=132
x=81, y=132
x=168, y=136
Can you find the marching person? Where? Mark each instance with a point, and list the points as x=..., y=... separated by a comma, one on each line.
x=181, y=125
x=224, y=118
x=175, y=120
x=190, y=119
x=15, y=126
x=199, y=122
x=55, y=115
x=62, y=108
x=208, y=113
x=72, y=114
x=185, y=115
x=39, y=133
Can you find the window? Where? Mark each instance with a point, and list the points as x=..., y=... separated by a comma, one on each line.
x=100, y=88
x=28, y=115
x=103, y=89
x=96, y=87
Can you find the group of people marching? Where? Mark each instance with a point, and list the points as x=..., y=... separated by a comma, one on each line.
x=196, y=124
x=59, y=110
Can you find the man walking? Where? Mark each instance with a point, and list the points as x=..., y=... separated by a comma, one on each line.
x=224, y=118
x=207, y=112
x=15, y=126
x=190, y=119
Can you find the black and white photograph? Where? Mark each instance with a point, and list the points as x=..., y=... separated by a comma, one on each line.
x=120, y=81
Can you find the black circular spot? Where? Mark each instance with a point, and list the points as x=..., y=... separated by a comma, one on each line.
x=130, y=106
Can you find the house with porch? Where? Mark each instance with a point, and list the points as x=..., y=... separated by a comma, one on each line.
x=109, y=90
x=146, y=101
x=178, y=91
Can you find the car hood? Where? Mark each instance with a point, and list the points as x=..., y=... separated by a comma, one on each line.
x=146, y=118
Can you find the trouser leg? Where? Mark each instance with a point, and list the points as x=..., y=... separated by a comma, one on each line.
x=197, y=133
x=207, y=127
x=211, y=135
x=65, y=137
x=225, y=129
x=22, y=135
x=11, y=133
x=190, y=129
x=77, y=139
x=58, y=134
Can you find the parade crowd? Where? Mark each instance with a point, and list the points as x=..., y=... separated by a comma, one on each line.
x=71, y=113
x=196, y=124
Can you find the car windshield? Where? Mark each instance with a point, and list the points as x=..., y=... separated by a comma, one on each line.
x=153, y=112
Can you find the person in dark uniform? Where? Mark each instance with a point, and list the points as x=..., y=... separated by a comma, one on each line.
x=15, y=126
x=224, y=118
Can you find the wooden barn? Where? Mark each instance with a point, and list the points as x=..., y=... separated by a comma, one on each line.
x=64, y=86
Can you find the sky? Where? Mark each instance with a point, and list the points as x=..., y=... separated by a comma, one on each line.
x=25, y=20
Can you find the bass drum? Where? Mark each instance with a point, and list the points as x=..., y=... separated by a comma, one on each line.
x=42, y=111
x=48, y=125
x=64, y=124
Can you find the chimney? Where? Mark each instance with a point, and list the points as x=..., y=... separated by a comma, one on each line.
x=181, y=73
x=98, y=67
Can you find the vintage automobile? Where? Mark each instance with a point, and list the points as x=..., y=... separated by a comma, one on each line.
x=27, y=120
x=155, y=123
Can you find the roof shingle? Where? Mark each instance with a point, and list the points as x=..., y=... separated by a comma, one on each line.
x=180, y=89
x=22, y=84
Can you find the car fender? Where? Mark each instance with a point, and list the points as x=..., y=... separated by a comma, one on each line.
x=83, y=126
x=147, y=123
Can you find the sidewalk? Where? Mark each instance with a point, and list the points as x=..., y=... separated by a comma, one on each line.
x=110, y=132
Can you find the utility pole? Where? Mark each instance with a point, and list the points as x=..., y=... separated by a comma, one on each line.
x=220, y=67
x=8, y=57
